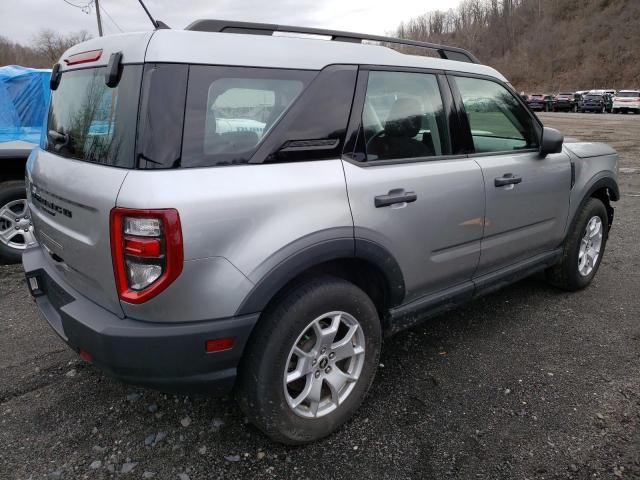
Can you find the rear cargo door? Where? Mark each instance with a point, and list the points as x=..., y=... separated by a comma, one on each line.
x=75, y=177
x=70, y=203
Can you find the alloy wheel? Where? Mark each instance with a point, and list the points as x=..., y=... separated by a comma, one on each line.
x=324, y=364
x=590, y=246
x=16, y=229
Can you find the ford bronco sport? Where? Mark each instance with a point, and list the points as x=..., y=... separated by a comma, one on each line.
x=216, y=209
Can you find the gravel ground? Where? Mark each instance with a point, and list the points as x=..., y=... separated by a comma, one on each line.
x=527, y=383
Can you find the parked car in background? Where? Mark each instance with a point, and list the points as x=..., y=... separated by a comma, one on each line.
x=24, y=93
x=577, y=99
x=607, y=96
x=564, y=102
x=541, y=102
x=627, y=101
x=594, y=102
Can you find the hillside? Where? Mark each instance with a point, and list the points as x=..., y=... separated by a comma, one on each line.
x=544, y=45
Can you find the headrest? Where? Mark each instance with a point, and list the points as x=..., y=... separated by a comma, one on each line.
x=405, y=118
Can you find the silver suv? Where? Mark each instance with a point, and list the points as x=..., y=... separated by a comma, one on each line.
x=219, y=209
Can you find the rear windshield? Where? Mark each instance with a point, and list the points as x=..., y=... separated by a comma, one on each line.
x=629, y=94
x=593, y=97
x=91, y=122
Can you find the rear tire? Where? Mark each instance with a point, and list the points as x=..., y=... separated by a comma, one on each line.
x=13, y=240
x=290, y=341
x=573, y=272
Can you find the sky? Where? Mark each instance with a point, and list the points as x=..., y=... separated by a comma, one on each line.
x=20, y=20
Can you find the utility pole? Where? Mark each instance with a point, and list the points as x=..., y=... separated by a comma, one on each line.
x=98, y=17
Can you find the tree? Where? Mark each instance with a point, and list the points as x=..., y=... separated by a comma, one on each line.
x=51, y=45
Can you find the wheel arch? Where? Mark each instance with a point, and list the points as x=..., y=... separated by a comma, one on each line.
x=366, y=264
x=12, y=168
x=606, y=190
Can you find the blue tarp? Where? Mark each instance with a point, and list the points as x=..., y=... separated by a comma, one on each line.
x=24, y=96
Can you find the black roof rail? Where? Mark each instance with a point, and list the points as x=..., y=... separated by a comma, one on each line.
x=229, y=26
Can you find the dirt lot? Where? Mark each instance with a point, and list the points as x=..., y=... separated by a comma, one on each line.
x=528, y=383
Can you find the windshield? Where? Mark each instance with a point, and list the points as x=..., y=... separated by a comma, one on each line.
x=629, y=94
x=91, y=122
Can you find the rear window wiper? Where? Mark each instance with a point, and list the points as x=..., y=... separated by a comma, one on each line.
x=60, y=139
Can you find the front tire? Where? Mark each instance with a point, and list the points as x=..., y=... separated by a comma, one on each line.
x=310, y=361
x=583, y=248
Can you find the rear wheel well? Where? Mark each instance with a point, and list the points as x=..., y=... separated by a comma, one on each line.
x=12, y=169
x=361, y=273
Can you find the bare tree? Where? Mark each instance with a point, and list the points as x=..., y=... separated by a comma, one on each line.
x=51, y=45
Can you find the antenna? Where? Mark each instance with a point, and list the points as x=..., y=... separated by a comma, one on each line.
x=156, y=23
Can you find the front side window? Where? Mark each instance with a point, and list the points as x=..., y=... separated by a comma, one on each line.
x=497, y=120
x=403, y=116
x=230, y=110
x=91, y=122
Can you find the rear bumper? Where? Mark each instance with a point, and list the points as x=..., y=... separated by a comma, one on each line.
x=168, y=357
x=625, y=107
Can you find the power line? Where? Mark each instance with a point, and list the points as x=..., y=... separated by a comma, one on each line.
x=110, y=18
x=85, y=8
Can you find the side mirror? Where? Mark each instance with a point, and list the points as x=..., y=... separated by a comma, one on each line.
x=551, y=142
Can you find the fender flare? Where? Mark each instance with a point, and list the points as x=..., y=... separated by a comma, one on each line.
x=602, y=182
x=339, y=248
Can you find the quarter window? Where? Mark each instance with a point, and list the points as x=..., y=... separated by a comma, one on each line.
x=403, y=116
x=230, y=110
x=497, y=120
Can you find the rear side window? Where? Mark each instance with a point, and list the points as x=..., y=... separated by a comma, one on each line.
x=230, y=110
x=91, y=122
x=403, y=116
x=497, y=120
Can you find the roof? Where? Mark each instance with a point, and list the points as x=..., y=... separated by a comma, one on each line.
x=237, y=49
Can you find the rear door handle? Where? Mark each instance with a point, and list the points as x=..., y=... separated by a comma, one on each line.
x=397, y=195
x=507, y=179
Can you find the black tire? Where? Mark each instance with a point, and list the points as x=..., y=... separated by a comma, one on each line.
x=565, y=274
x=10, y=191
x=261, y=390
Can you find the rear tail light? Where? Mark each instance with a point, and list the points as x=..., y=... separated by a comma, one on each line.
x=146, y=246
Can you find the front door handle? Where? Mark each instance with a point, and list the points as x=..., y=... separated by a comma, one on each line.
x=397, y=195
x=507, y=179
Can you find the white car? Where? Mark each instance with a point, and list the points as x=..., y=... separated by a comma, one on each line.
x=627, y=101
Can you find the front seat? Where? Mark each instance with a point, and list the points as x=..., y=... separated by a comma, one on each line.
x=400, y=129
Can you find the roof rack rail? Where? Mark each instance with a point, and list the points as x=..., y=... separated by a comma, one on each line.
x=228, y=26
